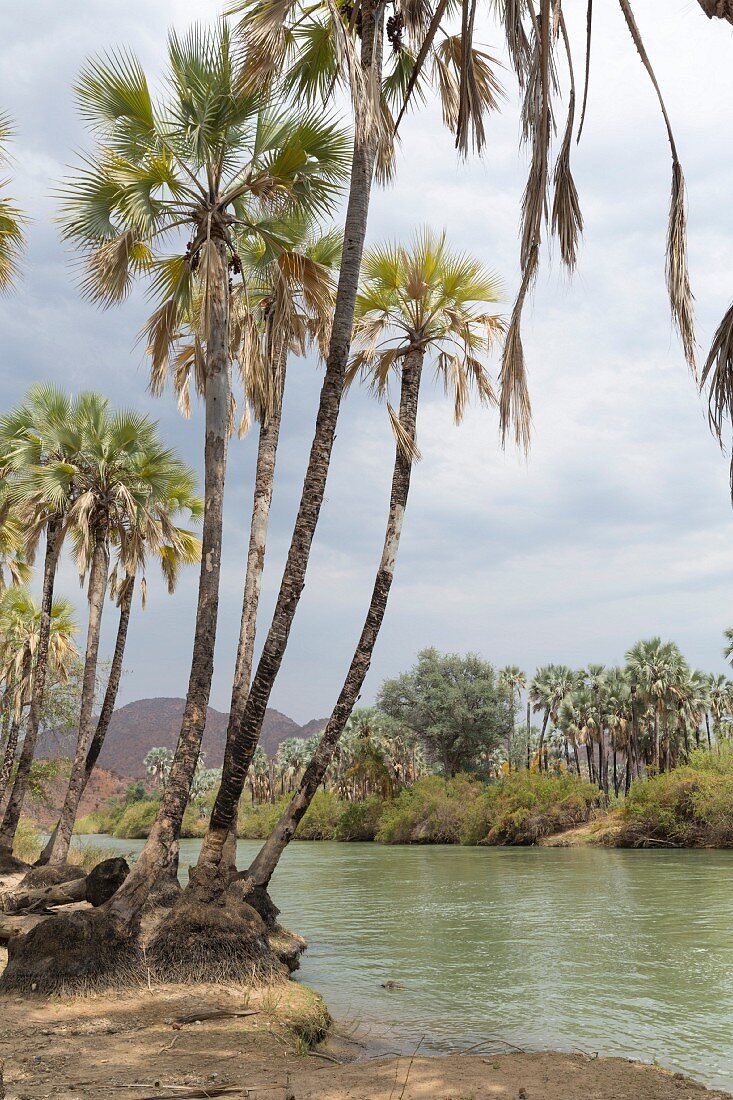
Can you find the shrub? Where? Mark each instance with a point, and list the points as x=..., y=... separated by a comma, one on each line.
x=257, y=822
x=430, y=812
x=686, y=807
x=321, y=819
x=103, y=820
x=360, y=820
x=27, y=843
x=525, y=806
x=135, y=823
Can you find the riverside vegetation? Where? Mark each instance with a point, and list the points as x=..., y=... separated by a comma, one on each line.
x=222, y=191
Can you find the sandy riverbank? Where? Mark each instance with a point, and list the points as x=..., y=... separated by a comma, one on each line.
x=131, y=1046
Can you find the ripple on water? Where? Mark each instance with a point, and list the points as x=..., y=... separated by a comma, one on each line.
x=626, y=953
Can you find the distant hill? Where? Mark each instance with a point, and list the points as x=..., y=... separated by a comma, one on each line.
x=147, y=723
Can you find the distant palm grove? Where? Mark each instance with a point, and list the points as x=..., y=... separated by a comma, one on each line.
x=233, y=184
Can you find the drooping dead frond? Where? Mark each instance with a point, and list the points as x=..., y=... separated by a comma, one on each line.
x=213, y=276
x=678, y=281
x=517, y=40
x=364, y=89
x=588, y=37
x=404, y=441
x=514, y=404
x=470, y=121
x=472, y=70
x=567, y=219
x=717, y=375
x=267, y=38
x=385, y=164
x=109, y=272
x=159, y=334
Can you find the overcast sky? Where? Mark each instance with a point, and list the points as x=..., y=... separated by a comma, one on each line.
x=617, y=527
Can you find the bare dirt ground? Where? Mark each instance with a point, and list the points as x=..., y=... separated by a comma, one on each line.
x=135, y=1046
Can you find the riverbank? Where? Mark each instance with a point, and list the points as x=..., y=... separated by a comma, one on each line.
x=173, y=1041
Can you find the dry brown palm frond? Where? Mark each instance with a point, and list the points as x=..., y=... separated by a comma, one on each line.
x=267, y=39
x=472, y=70
x=514, y=403
x=385, y=165
x=517, y=40
x=213, y=275
x=718, y=376
x=586, y=84
x=470, y=121
x=159, y=334
x=678, y=281
x=364, y=89
x=406, y=445
x=567, y=219
x=108, y=271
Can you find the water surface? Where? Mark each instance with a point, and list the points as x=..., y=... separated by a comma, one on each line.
x=619, y=952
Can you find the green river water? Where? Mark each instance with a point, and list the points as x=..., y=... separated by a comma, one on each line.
x=619, y=952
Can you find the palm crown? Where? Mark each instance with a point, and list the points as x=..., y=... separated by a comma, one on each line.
x=426, y=297
x=12, y=219
x=197, y=164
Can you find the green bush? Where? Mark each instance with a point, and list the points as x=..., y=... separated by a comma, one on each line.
x=103, y=820
x=257, y=822
x=321, y=819
x=360, y=820
x=136, y=821
x=686, y=807
x=431, y=812
x=27, y=842
x=525, y=806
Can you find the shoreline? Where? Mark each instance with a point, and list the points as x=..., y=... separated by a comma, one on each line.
x=172, y=1041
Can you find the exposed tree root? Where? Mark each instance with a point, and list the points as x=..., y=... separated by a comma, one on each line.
x=77, y=952
x=256, y=896
x=224, y=941
x=164, y=894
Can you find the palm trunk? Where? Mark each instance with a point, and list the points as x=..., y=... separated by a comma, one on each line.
x=161, y=846
x=13, y=809
x=242, y=742
x=576, y=755
x=545, y=720
x=105, y=715
x=529, y=735
x=657, y=759
x=707, y=729
x=266, y=861
x=9, y=755
x=264, y=483
x=57, y=849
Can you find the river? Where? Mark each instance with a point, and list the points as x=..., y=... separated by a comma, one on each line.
x=609, y=951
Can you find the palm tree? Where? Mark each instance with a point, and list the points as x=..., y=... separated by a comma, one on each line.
x=157, y=764
x=20, y=628
x=512, y=681
x=550, y=685
x=31, y=437
x=655, y=668
x=13, y=565
x=718, y=701
x=425, y=300
x=578, y=720
x=193, y=163
x=129, y=492
x=12, y=220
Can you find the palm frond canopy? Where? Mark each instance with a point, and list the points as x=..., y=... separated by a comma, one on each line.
x=173, y=174
x=12, y=219
x=427, y=297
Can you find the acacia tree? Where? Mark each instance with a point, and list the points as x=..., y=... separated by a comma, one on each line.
x=414, y=302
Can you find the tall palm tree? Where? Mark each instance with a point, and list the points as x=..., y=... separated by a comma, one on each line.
x=550, y=685
x=20, y=629
x=414, y=302
x=12, y=220
x=513, y=682
x=190, y=165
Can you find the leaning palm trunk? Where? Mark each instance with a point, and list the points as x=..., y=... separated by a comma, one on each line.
x=9, y=754
x=22, y=775
x=242, y=741
x=264, y=483
x=160, y=850
x=266, y=861
x=58, y=847
x=105, y=715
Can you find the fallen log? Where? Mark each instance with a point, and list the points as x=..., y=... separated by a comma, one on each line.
x=32, y=900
